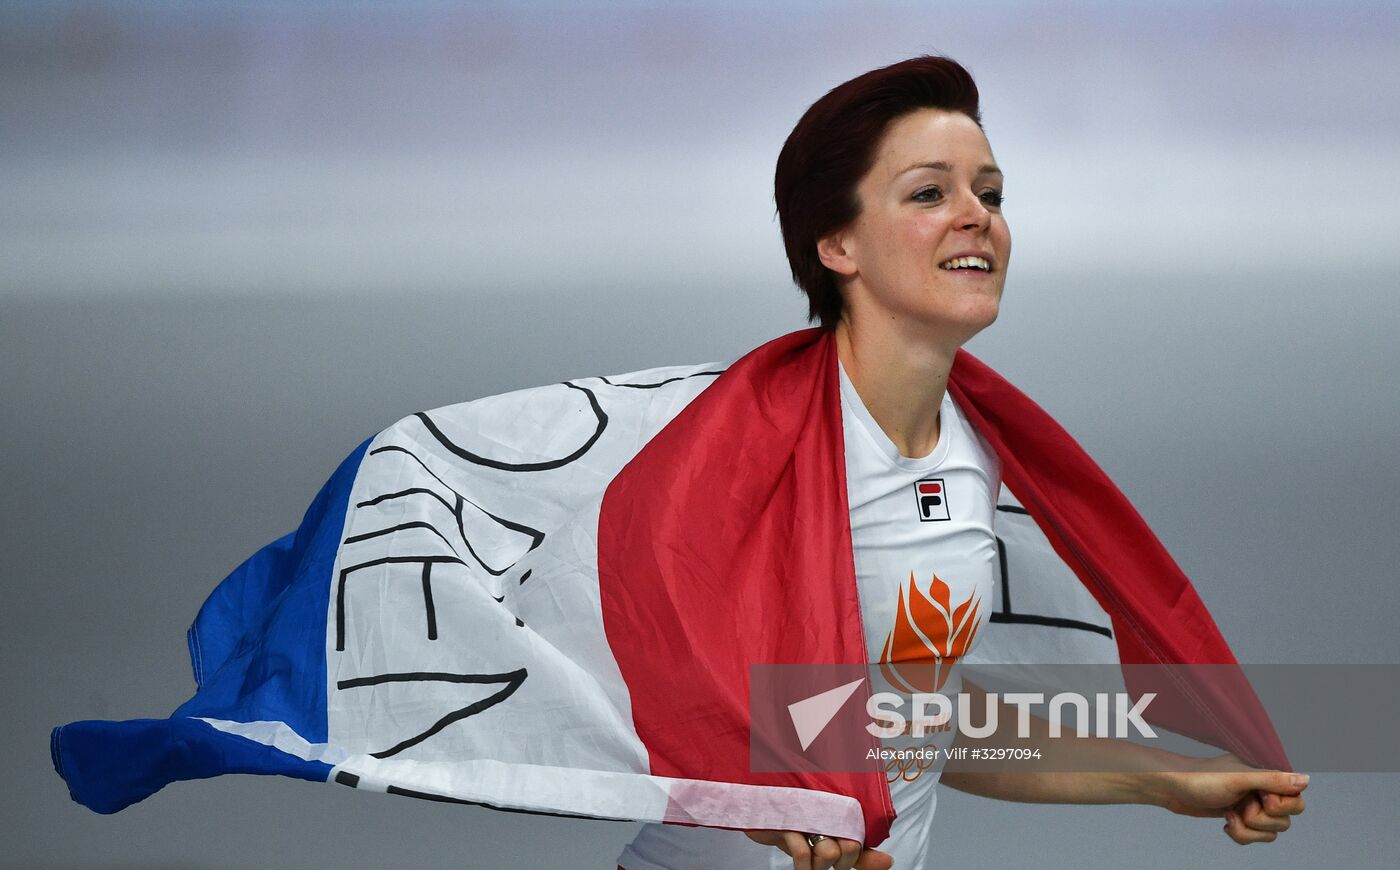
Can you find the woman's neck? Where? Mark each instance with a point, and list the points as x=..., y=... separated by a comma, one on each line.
x=901, y=378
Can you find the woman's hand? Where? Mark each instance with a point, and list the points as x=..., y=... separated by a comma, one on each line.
x=1257, y=804
x=829, y=854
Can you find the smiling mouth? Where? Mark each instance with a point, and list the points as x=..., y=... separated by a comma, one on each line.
x=966, y=264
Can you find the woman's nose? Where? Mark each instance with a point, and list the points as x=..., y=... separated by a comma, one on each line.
x=971, y=212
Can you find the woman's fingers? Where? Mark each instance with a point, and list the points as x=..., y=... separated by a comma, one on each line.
x=850, y=851
x=825, y=854
x=1242, y=833
x=805, y=856
x=1262, y=816
x=796, y=846
x=791, y=843
x=833, y=853
x=871, y=859
x=1253, y=814
x=839, y=854
x=1283, y=804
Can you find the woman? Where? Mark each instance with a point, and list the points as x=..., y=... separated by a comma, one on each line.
x=890, y=201
x=553, y=600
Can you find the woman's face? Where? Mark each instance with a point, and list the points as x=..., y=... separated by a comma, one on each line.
x=932, y=195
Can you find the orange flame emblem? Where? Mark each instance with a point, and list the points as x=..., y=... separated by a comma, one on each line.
x=928, y=637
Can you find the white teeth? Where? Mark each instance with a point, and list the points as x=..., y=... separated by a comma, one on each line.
x=967, y=262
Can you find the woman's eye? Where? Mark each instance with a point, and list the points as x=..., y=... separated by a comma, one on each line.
x=928, y=194
x=994, y=197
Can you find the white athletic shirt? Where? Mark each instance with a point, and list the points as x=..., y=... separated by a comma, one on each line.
x=912, y=520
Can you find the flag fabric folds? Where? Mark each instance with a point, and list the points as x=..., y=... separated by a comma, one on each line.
x=549, y=600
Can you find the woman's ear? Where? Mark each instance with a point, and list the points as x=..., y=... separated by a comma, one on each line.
x=835, y=252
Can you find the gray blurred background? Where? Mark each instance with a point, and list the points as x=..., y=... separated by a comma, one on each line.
x=237, y=238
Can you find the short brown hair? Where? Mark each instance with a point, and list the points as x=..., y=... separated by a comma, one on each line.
x=833, y=146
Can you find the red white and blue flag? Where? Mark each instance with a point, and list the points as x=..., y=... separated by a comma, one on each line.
x=549, y=600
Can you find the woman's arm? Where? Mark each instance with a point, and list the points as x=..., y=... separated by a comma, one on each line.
x=1256, y=804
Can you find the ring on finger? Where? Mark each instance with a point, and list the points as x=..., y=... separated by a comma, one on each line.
x=814, y=839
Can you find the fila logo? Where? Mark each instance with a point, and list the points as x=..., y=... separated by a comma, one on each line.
x=933, y=500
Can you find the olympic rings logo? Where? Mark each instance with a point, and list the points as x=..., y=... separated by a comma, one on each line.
x=902, y=763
